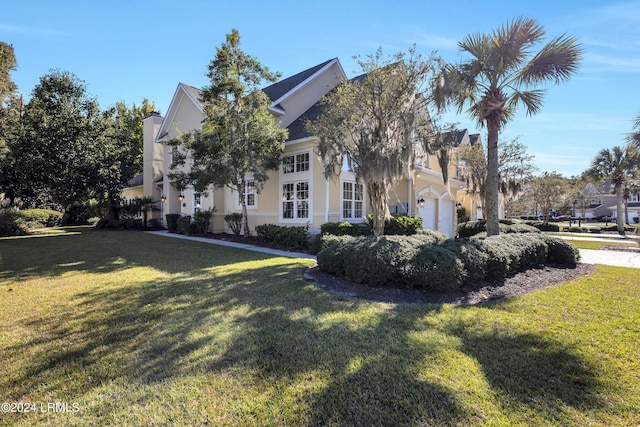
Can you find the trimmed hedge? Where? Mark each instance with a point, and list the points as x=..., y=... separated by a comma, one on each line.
x=12, y=223
x=43, y=217
x=399, y=225
x=290, y=237
x=429, y=261
x=183, y=223
x=473, y=228
x=172, y=222
x=344, y=228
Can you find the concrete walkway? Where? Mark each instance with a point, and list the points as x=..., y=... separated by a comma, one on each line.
x=270, y=251
x=588, y=256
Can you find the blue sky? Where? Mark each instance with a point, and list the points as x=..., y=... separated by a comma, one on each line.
x=127, y=50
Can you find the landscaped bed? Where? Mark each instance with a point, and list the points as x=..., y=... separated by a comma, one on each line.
x=136, y=329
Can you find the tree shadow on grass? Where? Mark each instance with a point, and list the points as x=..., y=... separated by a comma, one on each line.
x=214, y=314
x=532, y=372
x=94, y=251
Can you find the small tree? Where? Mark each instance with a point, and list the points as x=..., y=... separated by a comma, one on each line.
x=240, y=140
x=514, y=167
x=547, y=190
x=376, y=120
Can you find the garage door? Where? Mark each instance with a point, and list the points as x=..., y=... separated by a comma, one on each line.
x=446, y=217
x=428, y=214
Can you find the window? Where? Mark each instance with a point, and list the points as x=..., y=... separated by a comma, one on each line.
x=295, y=200
x=250, y=195
x=295, y=163
x=352, y=200
x=197, y=202
x=348, y=164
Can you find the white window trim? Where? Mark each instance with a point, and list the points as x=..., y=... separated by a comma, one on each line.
x=309, y=202
x=255, y=192
x=194, y=209
x=350, y=178
x=293, y=178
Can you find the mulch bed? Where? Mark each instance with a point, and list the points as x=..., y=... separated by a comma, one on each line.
x=514, y=285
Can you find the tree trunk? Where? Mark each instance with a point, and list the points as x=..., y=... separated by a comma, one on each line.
x=491, y=195
x=378, y=200
x=243, y=203
x=619, y=209
x=626, y=210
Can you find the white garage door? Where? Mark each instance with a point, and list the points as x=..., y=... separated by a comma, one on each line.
x=428, y=214
x=446, y=217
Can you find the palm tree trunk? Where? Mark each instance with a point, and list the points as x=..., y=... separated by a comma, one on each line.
x=491, y=195
x=619, y=209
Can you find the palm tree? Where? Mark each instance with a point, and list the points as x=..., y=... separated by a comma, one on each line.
x=500, y=76
x=634, y=136
x=617, y=164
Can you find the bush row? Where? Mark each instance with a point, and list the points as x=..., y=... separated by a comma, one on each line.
x=430, y=261
x=19, y=222
x=472, y=228
x=290, y=237
x=399, y=225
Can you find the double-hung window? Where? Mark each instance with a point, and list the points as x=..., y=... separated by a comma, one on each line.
x=352, y=200
x=295, y=187
x=250, y=195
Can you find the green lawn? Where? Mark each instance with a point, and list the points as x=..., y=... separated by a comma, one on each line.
x=136, y=329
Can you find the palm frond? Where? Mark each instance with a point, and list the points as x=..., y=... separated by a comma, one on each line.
x=511, y=42
x=531, y=99
x=556, y=61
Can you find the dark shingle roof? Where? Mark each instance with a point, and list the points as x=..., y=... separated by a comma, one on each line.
x=276, y=90
x=297, y=128
x=473, y=139
x=135, y=181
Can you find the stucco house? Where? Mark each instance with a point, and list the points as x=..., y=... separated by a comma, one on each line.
x=297, y=193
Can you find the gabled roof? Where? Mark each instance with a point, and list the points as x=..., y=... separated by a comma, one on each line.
x=191, y=93
x=474, y=139
x=281, y=88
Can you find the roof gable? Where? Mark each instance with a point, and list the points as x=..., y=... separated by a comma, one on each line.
x=182, y=92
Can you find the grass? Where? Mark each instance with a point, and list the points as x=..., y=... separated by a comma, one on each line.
x=138, y=329
x=595, y=244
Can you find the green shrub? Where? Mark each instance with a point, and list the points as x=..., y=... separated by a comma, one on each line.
x=43, y=217
x=435, y=268
x=474, y=228
x=403, y=225
x=290, y=237
x=636, y=219
x=182, y=225
x=540, y=225
x=234, y=221
x=110, y=224
x=399, y=225
x=344, y=228
x=202, y=220
x=594, y=230
x=615, y=228
x=520, y=228
x=172, y=222
x=472, y=255
x=12, y=223
x=132, y=224
x=471, y=228
x=427, y=261
x=93, y=221
x=560, y=251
